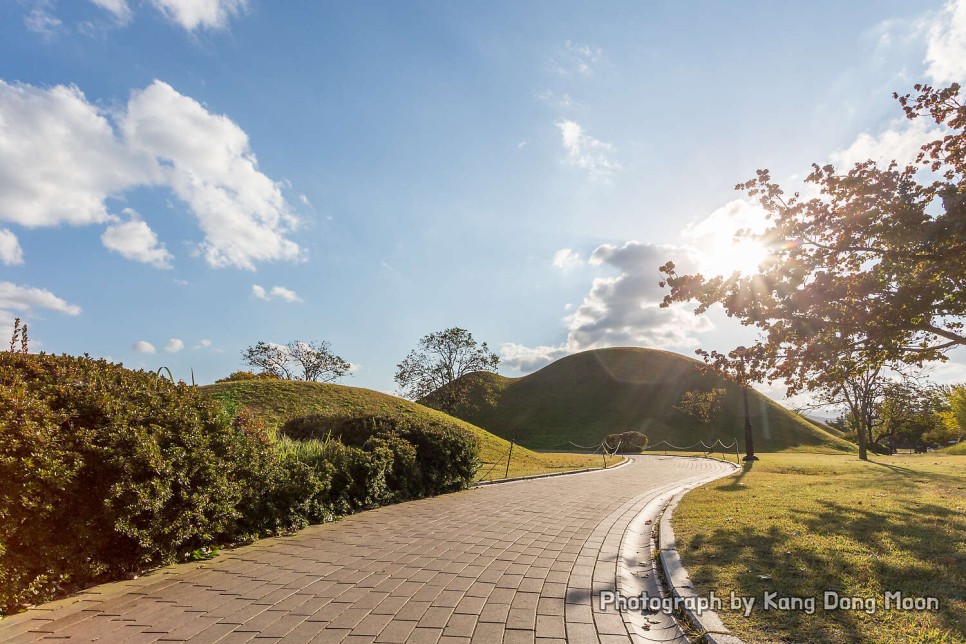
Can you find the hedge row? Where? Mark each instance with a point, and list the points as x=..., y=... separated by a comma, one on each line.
x=106, y=471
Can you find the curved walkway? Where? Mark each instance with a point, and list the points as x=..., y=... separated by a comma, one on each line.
x=517, y=562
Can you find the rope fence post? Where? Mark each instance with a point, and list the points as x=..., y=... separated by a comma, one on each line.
x=508, y=457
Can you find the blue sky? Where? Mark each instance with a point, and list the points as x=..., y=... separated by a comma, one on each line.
x=182, y=178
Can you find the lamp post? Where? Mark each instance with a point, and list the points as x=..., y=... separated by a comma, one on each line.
x=741, y=352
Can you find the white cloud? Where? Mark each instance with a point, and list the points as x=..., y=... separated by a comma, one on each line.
x=623, y=310
x=211, y=167
x=26, y=299
x=946, y=44
x=526, y=359
x=586, y=152
x=203, y=344
x=208, y=14
x=174, y=345
x=901, y=142
x=566, y=259
x=60, y=159
x=277, y=292
x=143, y=346
x=135, y=240
x=118, y=8
x=10, y=251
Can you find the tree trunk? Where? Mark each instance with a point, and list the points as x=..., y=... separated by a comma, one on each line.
x=749, y=439
x=863, y=441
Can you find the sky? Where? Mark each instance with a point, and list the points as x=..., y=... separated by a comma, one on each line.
x=180, y=179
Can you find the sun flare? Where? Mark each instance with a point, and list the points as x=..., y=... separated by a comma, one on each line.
x=728, y=255
x=719, y=250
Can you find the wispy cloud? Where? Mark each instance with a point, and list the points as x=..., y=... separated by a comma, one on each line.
x=900, y=141
x=17, y=300
x=586, y=152
x=946, y=44
x=41, y=19
x=567, y=259
x=117, y=8
x=174, y=345
x=577, y=59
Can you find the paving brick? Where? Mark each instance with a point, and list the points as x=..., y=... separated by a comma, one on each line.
x=505, y=563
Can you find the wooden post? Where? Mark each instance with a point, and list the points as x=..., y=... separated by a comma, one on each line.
x=508, y=456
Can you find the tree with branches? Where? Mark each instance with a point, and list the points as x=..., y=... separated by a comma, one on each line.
x=437, y=370
x=297, y=360
x=869, y=273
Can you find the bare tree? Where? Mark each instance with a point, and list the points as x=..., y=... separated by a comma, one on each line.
x=297, y=360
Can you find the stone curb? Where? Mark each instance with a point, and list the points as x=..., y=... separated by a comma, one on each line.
x=546, y=476
x=707, y=623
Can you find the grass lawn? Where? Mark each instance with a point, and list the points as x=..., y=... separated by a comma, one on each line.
x=277, y=401
x=815, y=522
x=527, y=463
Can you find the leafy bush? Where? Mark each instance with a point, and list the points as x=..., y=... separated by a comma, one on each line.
x=441, y=458
x=626, y=442
x=104, y=471
x=248, y=375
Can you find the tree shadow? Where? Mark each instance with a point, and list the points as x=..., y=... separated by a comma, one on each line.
x=931, y=565
x=735, y=480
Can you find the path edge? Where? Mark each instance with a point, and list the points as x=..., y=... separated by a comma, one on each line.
x=552, y=474
x=708, y=624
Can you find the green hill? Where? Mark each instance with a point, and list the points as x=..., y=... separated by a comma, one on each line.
x=583, y=397
x=278, y=401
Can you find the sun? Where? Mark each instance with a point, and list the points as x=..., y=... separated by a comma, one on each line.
x=719, y=250
x=728, y=255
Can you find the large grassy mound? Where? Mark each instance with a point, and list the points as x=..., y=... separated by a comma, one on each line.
x=275, y=402
x=583, y=397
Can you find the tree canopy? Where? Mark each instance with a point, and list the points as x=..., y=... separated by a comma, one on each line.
x=867, y=272
x=435, y=370
x=297, y=360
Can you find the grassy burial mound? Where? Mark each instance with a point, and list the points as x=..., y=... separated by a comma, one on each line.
x=282, y=404
x=584, y=397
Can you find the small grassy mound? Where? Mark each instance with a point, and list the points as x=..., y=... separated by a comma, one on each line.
x=958, y=449
x=802, y=524
x=586, y=396
x=276, y=402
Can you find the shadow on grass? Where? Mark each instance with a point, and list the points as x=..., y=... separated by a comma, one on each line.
x=735, y=481
x=929, y=563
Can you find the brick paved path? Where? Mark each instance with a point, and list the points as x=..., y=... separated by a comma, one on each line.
x=516, y=562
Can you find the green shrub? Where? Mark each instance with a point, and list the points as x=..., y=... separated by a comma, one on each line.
x=248, y=375
x=626, y=442
x=104, y=471
x=442, y=459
